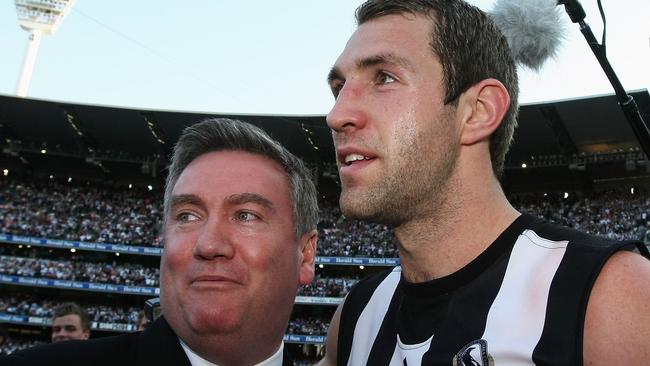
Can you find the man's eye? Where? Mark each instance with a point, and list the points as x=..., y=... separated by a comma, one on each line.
x=384, y=78
x=246, y=216
x=186, y=217
x=336, y=89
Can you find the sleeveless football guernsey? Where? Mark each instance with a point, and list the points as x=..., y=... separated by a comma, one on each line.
x=521, y=302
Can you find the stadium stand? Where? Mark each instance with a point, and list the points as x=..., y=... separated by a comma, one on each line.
x=80, y=214
x=14, y=344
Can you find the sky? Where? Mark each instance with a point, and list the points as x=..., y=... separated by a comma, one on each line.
x=264, y=57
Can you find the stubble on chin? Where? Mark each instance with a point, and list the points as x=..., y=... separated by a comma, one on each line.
x=367, y=203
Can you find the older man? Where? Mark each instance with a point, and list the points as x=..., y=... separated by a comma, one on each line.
x=240, y=238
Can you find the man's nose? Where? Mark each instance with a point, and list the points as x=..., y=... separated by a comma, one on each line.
x=348, y=112
x=214, y=241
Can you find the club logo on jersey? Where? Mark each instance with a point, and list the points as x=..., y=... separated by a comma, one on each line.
x=474, y=354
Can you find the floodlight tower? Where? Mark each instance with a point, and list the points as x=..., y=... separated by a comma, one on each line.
x=38, y=17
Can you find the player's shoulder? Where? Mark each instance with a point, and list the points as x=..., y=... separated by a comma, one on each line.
x=626, y=273
x=617, y=324
x=580, y=241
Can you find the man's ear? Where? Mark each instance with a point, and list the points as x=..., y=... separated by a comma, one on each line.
x=308, y=253
x=481, y=109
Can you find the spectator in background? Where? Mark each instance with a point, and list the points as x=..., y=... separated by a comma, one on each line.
x=70, y=321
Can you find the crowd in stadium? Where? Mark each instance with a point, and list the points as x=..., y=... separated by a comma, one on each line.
x=328, y=287
x=59, y=210
x=122, y=274
x=12, y=345
x=37, y=307
x=341, y=237
x=620, y=215
x=91, y=213
x=308, y=326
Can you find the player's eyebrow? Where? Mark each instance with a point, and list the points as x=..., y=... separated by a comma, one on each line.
x=387, y=58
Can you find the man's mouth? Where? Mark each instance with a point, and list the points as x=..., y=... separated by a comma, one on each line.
x=214, y=280
x=352, y=158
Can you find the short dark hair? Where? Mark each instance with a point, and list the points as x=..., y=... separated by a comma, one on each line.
x=219, y=134
x=470, y=48
x=70, y=308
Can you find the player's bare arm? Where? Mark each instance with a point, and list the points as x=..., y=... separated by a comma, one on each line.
x=617, y=324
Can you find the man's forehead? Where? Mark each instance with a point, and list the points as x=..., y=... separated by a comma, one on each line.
x=394, y=35
x=231, y=176
x=227, y=163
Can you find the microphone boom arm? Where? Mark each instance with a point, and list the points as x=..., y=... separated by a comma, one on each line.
x=625, y=101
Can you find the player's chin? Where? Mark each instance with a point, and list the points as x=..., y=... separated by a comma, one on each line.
x=353, y=207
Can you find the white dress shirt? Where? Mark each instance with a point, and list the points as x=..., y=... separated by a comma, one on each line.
x=196, y=360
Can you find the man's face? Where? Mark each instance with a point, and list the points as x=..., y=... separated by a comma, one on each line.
x=231, y=263
x=396, y=142
x=68, y=327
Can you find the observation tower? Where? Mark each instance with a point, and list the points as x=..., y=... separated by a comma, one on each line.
x=38, y=17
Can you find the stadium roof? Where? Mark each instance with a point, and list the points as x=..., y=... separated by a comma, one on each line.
x=586, y=125
x=74, y=128
x=565, y=128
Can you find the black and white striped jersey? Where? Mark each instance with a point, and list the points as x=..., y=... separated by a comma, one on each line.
x=521, y=302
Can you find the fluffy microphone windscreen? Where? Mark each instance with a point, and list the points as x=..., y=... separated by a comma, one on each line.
x=534, y=29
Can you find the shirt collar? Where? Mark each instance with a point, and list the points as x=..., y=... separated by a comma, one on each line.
x=196, y=360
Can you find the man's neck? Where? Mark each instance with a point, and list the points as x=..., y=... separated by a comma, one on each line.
x=470, y=219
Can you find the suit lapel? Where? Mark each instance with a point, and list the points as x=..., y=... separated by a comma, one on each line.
x=159, y=345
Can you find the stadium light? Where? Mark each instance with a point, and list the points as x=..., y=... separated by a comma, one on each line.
x=38, y=17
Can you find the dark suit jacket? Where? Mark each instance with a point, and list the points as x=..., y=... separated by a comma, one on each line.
x=158, y=345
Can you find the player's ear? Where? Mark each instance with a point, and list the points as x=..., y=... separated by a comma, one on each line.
x=308, y=254
x=481, y=109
